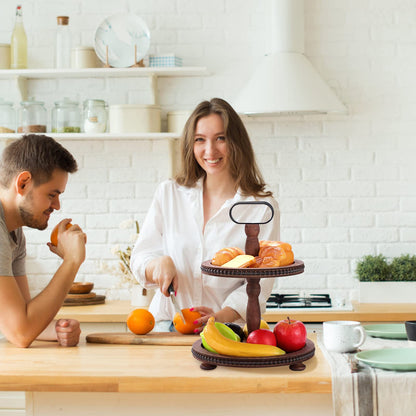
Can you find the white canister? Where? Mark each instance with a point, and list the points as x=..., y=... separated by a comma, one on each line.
x=177, y=120
x=134, y=118
x=4, y=56
x=84, y=57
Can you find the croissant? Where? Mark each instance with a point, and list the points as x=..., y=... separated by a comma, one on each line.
x=225, y=255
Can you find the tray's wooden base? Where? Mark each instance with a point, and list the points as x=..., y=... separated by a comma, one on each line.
x=293, y=359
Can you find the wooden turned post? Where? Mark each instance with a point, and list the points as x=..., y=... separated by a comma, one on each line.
x=252, y=241
x=253, y=306
x=253, y=284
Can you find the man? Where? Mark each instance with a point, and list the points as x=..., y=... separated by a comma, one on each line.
x=33, y=174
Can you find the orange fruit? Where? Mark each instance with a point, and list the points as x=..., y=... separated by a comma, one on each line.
x=54, y=234
x=140, y=321
x=188, y=326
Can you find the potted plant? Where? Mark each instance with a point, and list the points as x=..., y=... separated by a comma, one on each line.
x=384, y=281
x=140, y=296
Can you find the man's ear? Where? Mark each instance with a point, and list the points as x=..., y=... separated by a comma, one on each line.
x=22, y=181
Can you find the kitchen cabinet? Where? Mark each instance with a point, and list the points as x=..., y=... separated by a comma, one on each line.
x=12, y=403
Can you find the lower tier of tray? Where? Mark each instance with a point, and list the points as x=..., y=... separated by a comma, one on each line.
x=293, y=359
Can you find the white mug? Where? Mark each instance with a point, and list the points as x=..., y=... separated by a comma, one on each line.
x=343, y=336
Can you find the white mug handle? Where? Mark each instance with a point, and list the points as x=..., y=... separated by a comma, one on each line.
x=363, y=336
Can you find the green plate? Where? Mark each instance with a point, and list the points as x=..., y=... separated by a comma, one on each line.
x=402, y=359
x=392, y=331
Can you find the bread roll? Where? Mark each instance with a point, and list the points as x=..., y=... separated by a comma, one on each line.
x=275, y=253
x=257, y=263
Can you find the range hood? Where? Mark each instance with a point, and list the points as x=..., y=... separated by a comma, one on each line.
x=285, y=82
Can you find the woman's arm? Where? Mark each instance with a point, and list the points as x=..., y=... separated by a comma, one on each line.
x=149, y=245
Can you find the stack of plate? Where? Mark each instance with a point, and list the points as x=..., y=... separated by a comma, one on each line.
x=80, y=294
x=398, y=359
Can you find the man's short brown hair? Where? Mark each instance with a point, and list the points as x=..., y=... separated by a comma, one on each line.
x=38, y=154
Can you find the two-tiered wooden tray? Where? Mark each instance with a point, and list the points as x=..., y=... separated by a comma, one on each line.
x=253, y=276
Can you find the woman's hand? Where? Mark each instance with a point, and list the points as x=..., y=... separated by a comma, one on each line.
x=224, y=315
x=162, y=271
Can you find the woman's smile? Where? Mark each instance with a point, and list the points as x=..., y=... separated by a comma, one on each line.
x=210, y=145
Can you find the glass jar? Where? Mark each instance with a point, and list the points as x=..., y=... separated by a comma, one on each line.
x=66, y=117
x=63, y=43
x=32, y=117
x=7, y=117
x=95, y=116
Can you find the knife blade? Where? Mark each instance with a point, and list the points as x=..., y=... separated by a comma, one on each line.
x=171, y=291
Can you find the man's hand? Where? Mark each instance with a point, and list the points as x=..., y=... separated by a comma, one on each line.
x=71, y=242
x=67, y=332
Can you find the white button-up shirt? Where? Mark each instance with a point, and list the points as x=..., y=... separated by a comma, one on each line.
x=174, y=227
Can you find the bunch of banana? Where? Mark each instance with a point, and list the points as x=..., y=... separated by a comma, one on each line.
x=225, y=346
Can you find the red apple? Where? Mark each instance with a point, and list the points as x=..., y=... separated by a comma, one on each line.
x=262, y=336
x=290, y=335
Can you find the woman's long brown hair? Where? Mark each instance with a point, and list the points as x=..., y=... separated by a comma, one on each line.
x=243, y=166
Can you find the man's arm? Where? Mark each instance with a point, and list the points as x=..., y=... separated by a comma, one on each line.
x=49, y=333
x=21, y=322
x=23, y=319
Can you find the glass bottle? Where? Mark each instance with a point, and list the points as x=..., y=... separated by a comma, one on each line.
x=7, y=117
x=66, y=117
x=18, y=44
x=63, y=43
x=95, y=116
x=32, y=117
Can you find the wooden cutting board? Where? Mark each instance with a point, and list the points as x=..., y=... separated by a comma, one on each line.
x=157, y=338
x=78, y=300
x=89, y=295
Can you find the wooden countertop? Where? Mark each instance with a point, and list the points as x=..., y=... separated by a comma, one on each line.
x=138, y=368
x=117, y=311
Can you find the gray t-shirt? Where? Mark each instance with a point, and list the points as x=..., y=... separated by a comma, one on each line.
x=12, y=249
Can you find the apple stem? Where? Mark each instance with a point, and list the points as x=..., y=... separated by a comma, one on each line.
x=288, y=320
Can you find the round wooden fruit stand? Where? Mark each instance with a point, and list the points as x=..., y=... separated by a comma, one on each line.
x=253, y=276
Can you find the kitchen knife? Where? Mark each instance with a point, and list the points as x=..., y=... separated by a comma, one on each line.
x=171, y=290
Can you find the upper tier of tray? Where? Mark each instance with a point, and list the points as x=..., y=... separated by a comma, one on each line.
x=297, y=267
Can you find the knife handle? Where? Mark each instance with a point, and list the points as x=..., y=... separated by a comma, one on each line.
x=171, y=290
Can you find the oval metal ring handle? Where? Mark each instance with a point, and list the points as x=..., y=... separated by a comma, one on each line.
x=252, y=203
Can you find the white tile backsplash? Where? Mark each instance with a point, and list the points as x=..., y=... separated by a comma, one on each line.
x=346, y=184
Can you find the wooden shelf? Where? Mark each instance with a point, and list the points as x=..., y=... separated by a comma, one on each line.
x=21, y=76
x=38, y=73
x=99, y=136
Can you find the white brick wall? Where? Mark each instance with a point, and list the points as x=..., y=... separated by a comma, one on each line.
x=346, y=184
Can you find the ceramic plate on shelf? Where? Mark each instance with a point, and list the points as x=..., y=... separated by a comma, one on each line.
x=121, y=33
x=402, y=359
x=392, y=331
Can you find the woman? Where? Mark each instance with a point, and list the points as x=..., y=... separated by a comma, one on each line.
x=188, y=221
